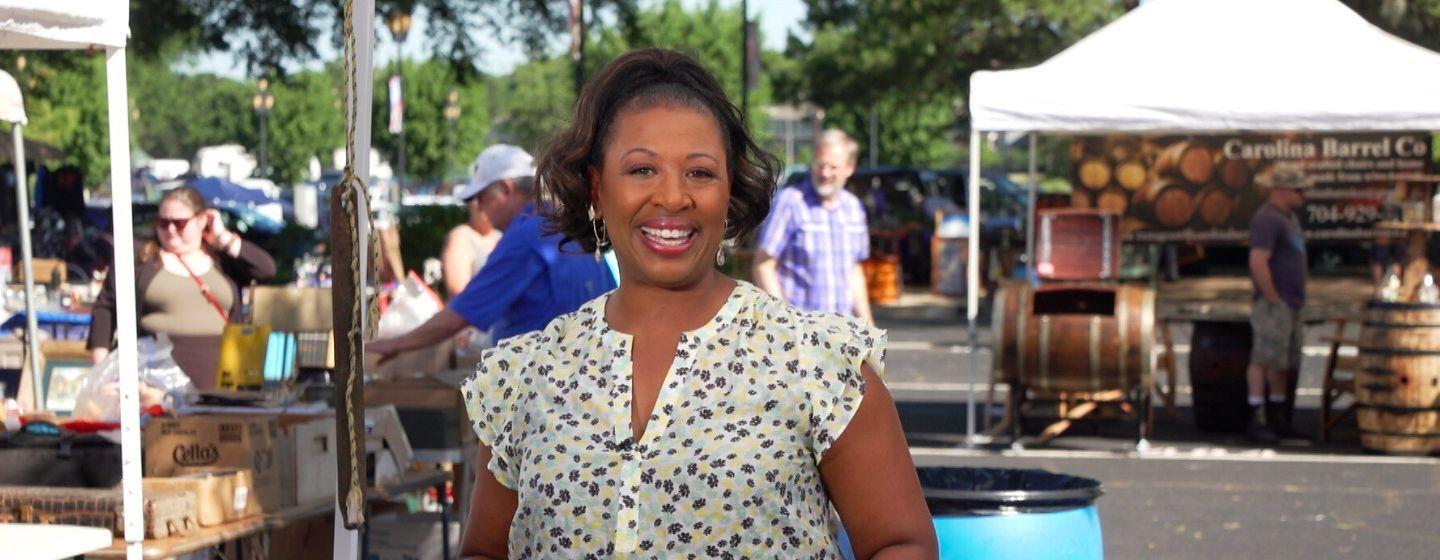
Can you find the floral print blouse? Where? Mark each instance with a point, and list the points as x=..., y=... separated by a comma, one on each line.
x=728, y=466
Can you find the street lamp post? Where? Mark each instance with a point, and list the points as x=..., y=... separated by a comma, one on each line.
x=262, y=102
x=399, y=24
x=452, y=114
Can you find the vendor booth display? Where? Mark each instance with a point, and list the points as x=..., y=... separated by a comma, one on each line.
x=1175, y=161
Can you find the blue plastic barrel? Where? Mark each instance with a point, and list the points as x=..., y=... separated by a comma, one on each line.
x=1013, y=514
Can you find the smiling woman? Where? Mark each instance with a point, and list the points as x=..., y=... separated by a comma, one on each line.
x=685, y=413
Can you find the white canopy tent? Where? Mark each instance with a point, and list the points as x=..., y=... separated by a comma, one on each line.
x=12, y=110
x=1208, y=66
x=77, y=24
x=85, y=24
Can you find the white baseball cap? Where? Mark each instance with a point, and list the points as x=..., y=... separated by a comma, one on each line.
x=498, y=162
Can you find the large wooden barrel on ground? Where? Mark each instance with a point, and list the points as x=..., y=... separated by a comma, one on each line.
x=1074, y=337
x=1077, y=244
x=1219, y=356
x=1398, y=384
x=1170, y=202
x=1190, y=161
x=1094, y=173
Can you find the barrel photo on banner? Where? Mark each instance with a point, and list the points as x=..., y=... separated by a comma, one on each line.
x=1398, y=385
x=1205, y=188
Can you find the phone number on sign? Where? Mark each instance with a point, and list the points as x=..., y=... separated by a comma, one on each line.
x=1342, y=214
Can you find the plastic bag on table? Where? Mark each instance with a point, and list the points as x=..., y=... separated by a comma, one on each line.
x=411, y=304
x=162, y=383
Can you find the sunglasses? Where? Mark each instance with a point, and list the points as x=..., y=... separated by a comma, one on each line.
x=178, y=224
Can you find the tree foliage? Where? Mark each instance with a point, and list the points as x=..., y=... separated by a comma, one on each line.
x=910, y=62
x=268, y=34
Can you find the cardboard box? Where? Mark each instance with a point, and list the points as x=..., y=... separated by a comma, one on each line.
x=222, y=495
x=203, y=443
x=310, y=457
x=424, y=361
x=431, y=411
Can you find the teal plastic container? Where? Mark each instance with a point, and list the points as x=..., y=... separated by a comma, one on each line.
x=1013, y=514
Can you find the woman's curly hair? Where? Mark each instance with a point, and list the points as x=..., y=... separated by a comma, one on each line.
x=637, y=80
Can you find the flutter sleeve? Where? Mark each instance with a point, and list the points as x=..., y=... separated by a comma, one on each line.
x=839, y=346
x=492, y=401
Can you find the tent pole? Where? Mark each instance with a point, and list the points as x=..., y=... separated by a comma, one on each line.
x=27, y=260
x=972, y=288
x=1030, y=214
x=125, y=318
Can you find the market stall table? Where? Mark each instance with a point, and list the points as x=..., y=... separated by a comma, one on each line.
x=61, y=324
x=24, y=541
x=213, y=536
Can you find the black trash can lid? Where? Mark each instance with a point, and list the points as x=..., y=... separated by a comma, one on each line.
x=973, y=490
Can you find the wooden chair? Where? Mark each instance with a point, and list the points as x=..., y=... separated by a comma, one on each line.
x=1333, y=387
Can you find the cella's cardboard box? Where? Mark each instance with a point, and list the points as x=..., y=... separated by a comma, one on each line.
x=204, y=443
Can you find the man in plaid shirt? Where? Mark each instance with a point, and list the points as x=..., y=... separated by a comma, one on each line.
x=816, y=235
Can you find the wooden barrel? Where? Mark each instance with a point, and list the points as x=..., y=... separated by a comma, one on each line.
x=1002, y=324
x=1094, y=173
x=1219, y=356
x=1186, y=160
x=1075, y=337
x=1113, y=199
x=1234, y=173
x=1213, y=205
x=1170, y=202
x=1131, y=174
x=882, y=278
x=1077, y=244
x=1398, y=385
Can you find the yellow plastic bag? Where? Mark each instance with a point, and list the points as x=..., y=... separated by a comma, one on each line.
x=242, y=357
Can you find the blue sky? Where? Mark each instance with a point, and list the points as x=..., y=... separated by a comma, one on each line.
x=777, y=19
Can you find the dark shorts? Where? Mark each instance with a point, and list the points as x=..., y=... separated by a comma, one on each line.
x=1279, y=335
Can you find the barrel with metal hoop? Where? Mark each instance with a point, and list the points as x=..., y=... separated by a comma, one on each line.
x=1074, y=337
x=1397, y=387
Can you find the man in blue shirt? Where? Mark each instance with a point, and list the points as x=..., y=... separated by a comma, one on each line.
x=528, y=280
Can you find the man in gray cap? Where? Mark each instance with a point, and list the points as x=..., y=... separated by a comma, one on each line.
x=527, y=281
x=1277, y=271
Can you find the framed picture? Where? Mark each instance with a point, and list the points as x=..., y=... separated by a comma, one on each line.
x=62, y=384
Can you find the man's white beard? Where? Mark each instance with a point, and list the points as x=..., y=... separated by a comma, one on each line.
x=826, y=191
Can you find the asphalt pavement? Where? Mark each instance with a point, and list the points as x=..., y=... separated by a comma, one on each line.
x=1189, y=494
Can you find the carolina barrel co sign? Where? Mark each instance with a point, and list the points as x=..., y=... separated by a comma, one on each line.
x=1205, y=189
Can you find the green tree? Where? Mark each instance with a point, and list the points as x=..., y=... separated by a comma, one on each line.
x=177, y=114
x=535, y=100
x=911, y=61
x=307, y=121
x=266, y=34
x=427, y=132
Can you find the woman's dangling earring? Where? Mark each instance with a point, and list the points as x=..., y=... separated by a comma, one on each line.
x=596, y=226
x=720, y=252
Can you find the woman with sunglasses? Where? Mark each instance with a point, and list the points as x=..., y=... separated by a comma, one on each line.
x=187, y=284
